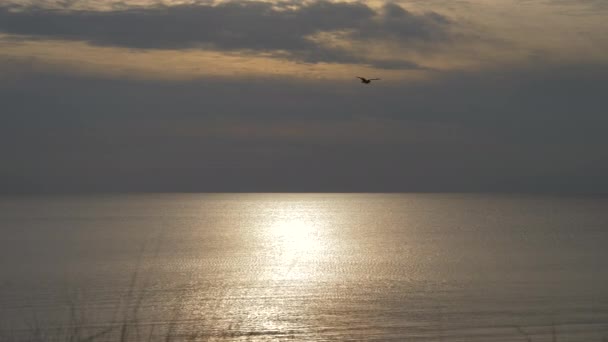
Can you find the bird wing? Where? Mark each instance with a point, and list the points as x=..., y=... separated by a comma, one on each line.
x=361, y=78
x=374, y=79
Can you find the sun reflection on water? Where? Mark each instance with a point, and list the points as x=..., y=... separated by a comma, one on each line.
x=282, y=267
x=291, y=241
x=298, y=236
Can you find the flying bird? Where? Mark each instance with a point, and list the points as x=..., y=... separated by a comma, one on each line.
x=367, y=80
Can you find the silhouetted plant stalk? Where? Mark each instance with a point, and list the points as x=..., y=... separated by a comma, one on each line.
x=124, y=324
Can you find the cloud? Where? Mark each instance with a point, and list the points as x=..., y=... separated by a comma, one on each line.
x=404, y=26
x=588, y=6
x=504, y=130
x=285, y=28
x=215, y=97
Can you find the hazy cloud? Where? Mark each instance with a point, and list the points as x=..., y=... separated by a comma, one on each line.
x=510, y=130
x=590, y=4
x=523, y=112
x=248, y=25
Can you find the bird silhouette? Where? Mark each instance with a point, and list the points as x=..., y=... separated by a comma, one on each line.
x=367, y=80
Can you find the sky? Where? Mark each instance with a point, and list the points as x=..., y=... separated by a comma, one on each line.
x=261, y=96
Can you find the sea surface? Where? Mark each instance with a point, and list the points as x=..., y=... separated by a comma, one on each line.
x=305, y=267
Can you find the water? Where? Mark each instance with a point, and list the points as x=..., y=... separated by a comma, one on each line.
x=307, y=267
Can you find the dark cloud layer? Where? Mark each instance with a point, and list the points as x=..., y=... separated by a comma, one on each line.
x=247, y=25
x=539, y=129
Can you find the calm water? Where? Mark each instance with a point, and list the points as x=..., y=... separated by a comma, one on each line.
x=308, y=267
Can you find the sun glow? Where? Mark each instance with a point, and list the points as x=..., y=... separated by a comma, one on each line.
x=296, y=234
x=298, y=237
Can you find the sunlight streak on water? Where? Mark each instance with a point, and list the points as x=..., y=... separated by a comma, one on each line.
x=297, y=237
x=290, y=244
